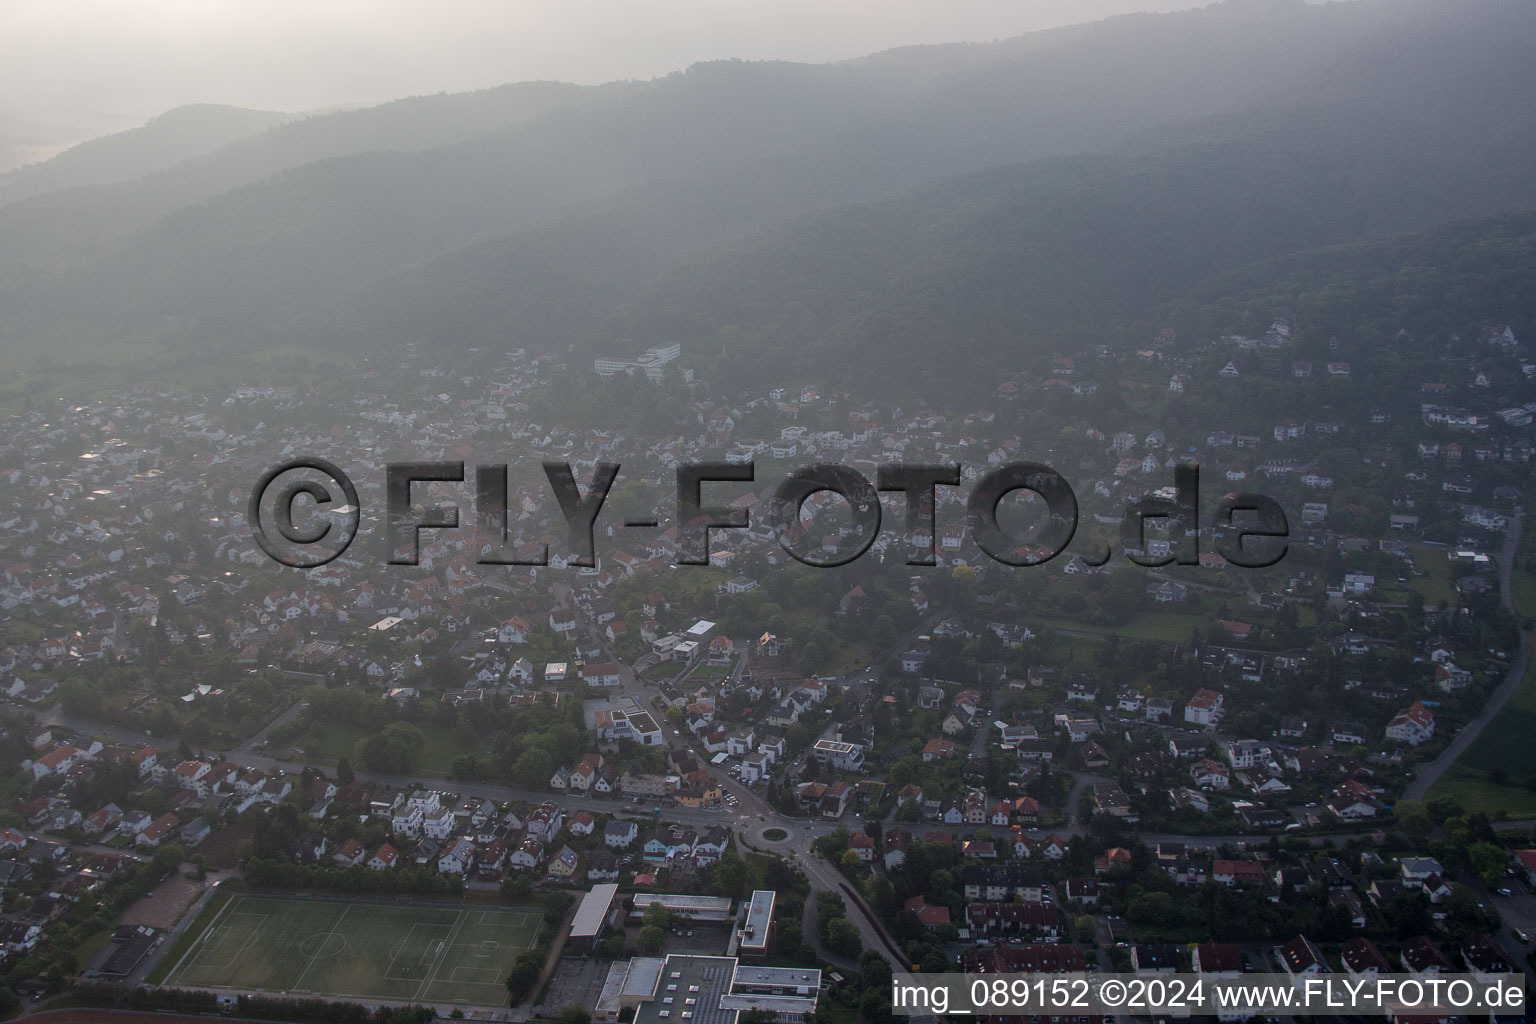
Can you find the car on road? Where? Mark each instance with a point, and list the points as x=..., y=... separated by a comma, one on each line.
x=1506, y=891
x=1521, y=935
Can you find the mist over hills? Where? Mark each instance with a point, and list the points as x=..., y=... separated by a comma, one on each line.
x=177, y=135
x=919, y=210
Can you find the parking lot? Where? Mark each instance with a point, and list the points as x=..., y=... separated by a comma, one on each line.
x=577, y=981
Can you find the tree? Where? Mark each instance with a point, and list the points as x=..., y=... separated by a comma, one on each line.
x=1488, y=861
x=1413, y=818
x=849, y=859
x=1149, y=907
x=658, y=916
x=525, y=971
x=874, y=971
x=730, y=875
x=880, y=894
x=650, y=939
x=394, y=750
x=533, y=768
x=467, y=766
x=574, y=1014
x=843, y=938
x=344, y=773
x=169, y=856
x=875, y=1007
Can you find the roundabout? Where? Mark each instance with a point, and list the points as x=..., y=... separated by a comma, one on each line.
x=767, y=837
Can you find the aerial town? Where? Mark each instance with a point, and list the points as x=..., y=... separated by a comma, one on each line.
x=757, y=785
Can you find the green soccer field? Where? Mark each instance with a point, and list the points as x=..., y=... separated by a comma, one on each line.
x=428, y=954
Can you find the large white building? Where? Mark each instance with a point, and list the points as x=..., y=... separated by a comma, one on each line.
x=650, y=362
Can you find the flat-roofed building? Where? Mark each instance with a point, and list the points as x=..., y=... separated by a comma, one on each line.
x=786, y=1008
x=757, y=929
x=686, y=905
x=689, y=992
x=689, y=989
x=606, y=1010
x=629, y=983
x=595, y=915
x=848, y=757
x=777, y=981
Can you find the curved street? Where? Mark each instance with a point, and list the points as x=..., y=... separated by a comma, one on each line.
x=1430, y=772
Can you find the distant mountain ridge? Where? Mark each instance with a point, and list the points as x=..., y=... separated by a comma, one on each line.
x=180, y=134
x=772, y=216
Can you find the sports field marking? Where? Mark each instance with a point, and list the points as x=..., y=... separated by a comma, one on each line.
x=334, y=925
x=214, y=938
x=458, y=922
x=434, y=949
x=203, y=959
x=513, y=921
x=446, y=953
x=405, y=943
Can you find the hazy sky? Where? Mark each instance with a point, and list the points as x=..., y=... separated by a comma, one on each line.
x=89, y=66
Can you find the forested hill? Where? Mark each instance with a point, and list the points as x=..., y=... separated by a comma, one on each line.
x=903, y=215
x=184, y=133
x=988, y=270
x=1449, y=280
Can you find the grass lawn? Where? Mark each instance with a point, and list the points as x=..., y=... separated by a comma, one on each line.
x=423, y=953
x=1473, y=792
x=91, y=946
x=1436, y=586
x=1522, y=587
x=1522, y=582
x=1505, y=744
x=1166, y=626
x=331, y=742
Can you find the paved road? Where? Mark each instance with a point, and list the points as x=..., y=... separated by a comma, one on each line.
x=1080, y=782
x=256, y=742
x=112, y=851
x=1517, y=910
x=1431, y=771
